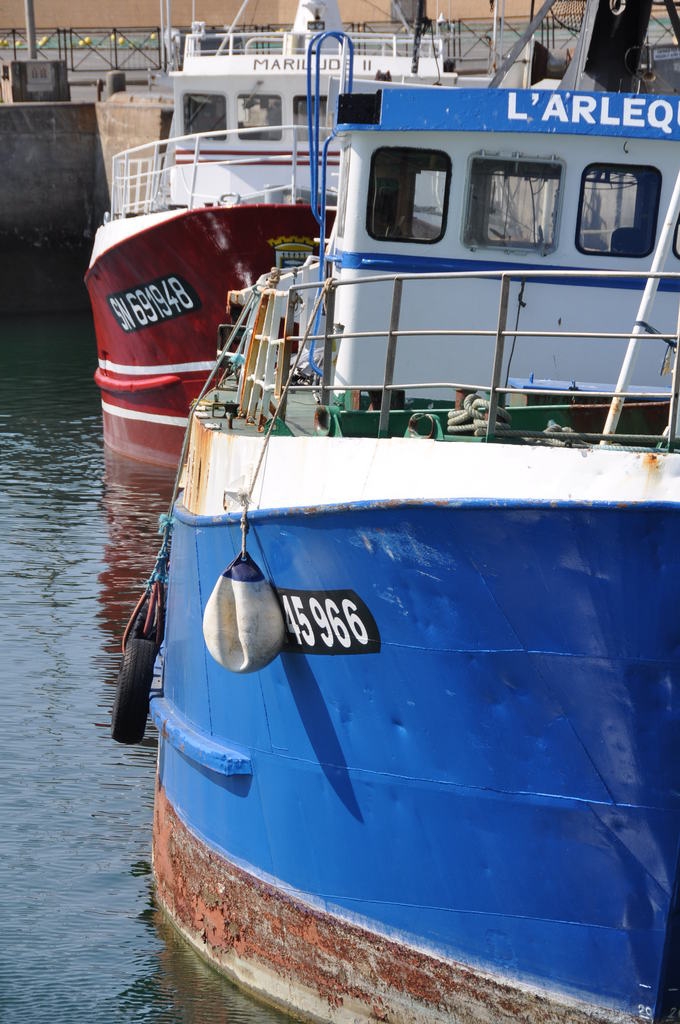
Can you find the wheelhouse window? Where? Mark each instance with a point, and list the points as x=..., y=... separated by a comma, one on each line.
x=204, y=112
x=408, y=194
x=259, y=110
x=618, y=210
x=512, y=203
x=300, y=114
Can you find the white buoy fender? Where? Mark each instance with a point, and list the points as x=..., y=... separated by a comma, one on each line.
x=243, y=625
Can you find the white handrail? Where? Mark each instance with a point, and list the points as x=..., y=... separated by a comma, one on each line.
x=192, y=191
x=261, y=371
x=231, y=44
x=140, y=173
x=648, y=296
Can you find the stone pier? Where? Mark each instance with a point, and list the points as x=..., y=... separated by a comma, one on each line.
x=56, y=160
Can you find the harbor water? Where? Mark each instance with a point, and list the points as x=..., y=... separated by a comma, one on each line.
x=83, y=939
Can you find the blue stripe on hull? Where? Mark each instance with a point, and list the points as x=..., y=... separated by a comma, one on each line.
x=399, y=263
x=501, y=781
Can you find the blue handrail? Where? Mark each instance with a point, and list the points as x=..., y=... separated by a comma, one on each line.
x=316, y=158
x=318, y=188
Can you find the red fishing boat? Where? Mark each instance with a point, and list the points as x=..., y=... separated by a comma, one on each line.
x=220, y=203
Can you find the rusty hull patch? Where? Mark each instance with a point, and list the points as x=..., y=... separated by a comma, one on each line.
x=197, y=466
x=652, y=461
x=318, y=965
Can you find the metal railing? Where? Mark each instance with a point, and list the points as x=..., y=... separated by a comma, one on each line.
x=264, y=385
x=185, y=171
x=91, y=50
x=373, y=44
x=469, y=44
x=466, y=42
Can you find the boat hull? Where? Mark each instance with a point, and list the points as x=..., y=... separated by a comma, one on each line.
x=479, y=820
x=158, y=294
x=298, y=957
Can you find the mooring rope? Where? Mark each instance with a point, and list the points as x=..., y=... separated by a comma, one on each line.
x=560, y=436
x=473, y=418
x=155, y=585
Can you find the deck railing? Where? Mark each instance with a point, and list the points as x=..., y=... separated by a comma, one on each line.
x=288, y=44
x=185, y=171
x=267, y=367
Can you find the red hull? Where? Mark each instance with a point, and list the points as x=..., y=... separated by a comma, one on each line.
x=157, y=298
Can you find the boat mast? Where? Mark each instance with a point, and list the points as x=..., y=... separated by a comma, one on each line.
x=420, y=25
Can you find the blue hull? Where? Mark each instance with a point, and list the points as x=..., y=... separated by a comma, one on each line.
x=498, y=782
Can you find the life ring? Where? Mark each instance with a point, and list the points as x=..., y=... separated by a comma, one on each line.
x=131, y=703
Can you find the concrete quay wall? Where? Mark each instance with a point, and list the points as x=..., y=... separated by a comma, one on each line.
x=56, y=161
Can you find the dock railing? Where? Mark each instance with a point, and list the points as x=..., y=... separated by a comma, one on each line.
x=468, y=43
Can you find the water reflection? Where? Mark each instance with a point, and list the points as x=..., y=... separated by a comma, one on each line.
x=82, y=937
x=187, y=985
x=133, y=497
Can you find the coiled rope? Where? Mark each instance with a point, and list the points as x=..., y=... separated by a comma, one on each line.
x=473, y=418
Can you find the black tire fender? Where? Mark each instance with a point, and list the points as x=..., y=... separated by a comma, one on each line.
x=131, y=703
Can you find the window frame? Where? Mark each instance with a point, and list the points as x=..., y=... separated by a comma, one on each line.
x=259, y=133
x=186, y=129
x=343, y=182
x=370, y=198
x=299, y=100
x=609, y=253
x=505, y=245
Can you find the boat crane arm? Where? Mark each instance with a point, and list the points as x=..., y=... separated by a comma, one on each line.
x=520, y=44
x=673, y=18
x=238, y=15
x=400, y=14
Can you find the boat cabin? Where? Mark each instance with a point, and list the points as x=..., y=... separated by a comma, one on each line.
x=248, y=91
x=481, y=183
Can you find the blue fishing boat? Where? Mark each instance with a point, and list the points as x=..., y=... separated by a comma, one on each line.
x=419, y=676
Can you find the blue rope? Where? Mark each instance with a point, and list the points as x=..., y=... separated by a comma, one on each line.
x=160, y=571
x=668, y=338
